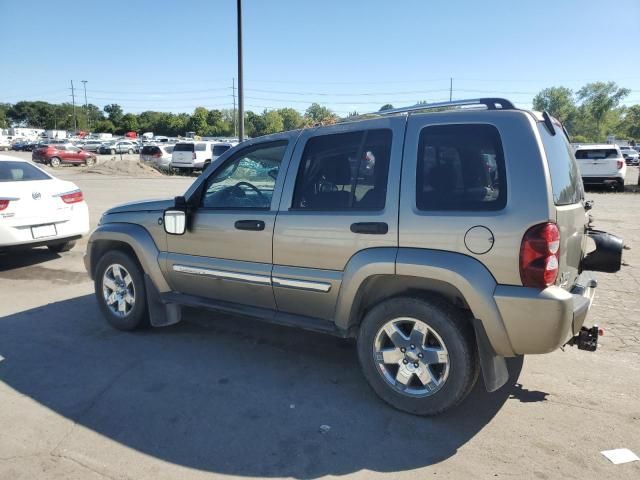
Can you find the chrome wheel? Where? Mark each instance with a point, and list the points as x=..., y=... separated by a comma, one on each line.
x=118, y=290
x=411, y=357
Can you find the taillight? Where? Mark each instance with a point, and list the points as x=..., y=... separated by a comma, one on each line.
x=620, y=164
x=4, y=204
x=540, y=256
x=72, y=197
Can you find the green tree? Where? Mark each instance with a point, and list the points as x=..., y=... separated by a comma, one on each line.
x=104, y=126
x=600, y=98
x=630, y=124
x=198, y=121
x=291, y=118
x=273, y=122
x=114, y=113
x=319, y=114
x=129, y=123
x=4, y=120
x=254, y=124
x=386, y=106
x=558, y=101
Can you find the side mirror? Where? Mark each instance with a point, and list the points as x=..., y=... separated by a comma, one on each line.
x=175, y=222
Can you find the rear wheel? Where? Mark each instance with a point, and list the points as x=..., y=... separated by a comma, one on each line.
x=418, y=354
x=54, y=162
x=620, y=186
x=61, y=247
x=90, y=162
x=120, y=291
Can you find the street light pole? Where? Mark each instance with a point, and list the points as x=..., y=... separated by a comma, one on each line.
x=240, y=77
x=86, y=106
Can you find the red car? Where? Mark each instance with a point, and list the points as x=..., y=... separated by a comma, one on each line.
x=57, y=154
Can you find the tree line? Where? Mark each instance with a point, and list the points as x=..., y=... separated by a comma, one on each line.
x=590, y=114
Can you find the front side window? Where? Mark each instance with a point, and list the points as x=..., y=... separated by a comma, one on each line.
x=344, y=171
x=460, y=167
x=246, y=180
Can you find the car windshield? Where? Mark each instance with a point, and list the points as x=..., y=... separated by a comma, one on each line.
x=11, y=171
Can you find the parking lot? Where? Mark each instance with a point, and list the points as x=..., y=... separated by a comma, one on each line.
x=230, y=397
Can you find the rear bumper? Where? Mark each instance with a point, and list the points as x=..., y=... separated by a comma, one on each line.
x=602, y=180
x=540, y=321
x=74, y=227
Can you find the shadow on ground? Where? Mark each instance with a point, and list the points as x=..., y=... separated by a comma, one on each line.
x=13, y=259
x=229, y=396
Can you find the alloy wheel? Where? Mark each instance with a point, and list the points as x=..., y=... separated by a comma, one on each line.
x=118, y=290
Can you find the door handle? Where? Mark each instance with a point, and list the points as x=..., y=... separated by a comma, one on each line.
x=249, y=225
x=370, y=228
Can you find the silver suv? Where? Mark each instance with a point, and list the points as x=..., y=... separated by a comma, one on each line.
x=444, y=237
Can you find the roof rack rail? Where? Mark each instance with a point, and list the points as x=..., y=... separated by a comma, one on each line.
x=490, y=103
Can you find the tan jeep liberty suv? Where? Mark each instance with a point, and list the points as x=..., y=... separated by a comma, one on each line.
x=444, y=237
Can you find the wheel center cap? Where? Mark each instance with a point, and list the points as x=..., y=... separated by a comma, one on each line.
x=411, y=355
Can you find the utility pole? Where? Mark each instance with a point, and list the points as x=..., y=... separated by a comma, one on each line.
x=73, y=99
x=450, y=88
x=86, y=105
x=240, y=76
x=235, y=119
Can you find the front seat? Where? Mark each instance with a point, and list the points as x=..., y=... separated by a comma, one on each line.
x=336, y=173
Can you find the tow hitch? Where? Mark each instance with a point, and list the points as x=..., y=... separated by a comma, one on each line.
x=587, y=338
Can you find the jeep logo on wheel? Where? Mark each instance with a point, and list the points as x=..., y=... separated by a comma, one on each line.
x=36, y=195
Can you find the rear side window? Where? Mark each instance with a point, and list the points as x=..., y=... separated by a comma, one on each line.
x=460, y=167
x=344, y=171
x=220, y=149
x=20, y=171
x=201, y=147
x=565, y=176
x=596, y=153
x=183, y=147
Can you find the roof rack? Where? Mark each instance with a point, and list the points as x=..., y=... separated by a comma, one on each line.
x=490, y=103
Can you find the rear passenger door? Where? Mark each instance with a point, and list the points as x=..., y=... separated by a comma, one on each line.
x=340, y=198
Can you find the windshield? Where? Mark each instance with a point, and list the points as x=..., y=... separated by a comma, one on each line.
x=20, y=172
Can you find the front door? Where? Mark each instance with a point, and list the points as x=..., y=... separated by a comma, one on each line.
x=341, y=198
x=226, y=252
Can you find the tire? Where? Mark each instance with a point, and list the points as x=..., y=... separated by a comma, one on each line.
x=90, y=162
x=620, y=186
x=55, y=162
x=135, y=315
x=454, y=366
x=61, y=247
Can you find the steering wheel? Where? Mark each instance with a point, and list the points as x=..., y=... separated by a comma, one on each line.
x=236, y=189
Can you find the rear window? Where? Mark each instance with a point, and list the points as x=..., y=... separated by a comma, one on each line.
x=565, y=176
x=149, y=150
x=460, y=167
x=183, y=147
x=220, y=149
x=596, y=153
x=20, y=172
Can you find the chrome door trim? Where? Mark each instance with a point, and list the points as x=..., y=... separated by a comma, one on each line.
x=223, y=274
x=301, y=284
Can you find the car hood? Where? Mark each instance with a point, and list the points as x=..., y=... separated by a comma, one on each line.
x=145, y=206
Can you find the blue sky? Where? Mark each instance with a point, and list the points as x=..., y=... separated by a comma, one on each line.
x=349, y=55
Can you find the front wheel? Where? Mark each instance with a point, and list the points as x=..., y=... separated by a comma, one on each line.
x=54, y=162
x=120, y=291
x=90, y=162
x=418, y=354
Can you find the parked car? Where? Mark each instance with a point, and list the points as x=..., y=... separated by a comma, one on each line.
x=390, y=230
x=57, y=154
x=23, y=146
x=118, y=146
x=157, y=155
x=4, y=143
x=220, y=147
x=92, y=145
x=631, y=156
x=602, y=165
x=192, y=155
x=38, y=209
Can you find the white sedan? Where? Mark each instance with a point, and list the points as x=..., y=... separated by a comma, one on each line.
x=38, y=209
